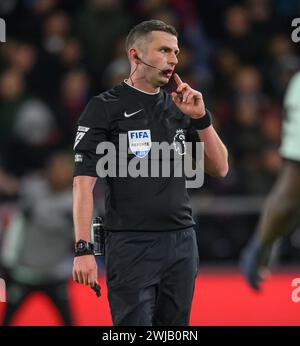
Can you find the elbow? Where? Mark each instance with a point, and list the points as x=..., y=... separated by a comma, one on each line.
x=224, y=167
x=217, y=172
x=222, y=171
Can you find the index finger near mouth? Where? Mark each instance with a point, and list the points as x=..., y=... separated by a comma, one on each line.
x=177, y=79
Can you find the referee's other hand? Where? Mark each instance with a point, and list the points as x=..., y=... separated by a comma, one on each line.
x=85, y=270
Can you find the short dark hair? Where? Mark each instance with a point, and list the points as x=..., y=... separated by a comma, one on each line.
x=146, y=27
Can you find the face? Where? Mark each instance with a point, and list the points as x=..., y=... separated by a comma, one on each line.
x=161, y=51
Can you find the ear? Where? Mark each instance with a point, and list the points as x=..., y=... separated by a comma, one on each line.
x=133, y=55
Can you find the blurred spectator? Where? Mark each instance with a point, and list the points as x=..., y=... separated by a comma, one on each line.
x=260, y=14
x=38, y=243
x=56, y=29
x=27, y=126
x=116, y=72
x=8, y=185
x=71, y=55
x=282, y=64
x=23, y=58
x=73, y=97
x=118, y=69
x=239, y=35
x=12, y=93
x=99, y=25
x=227, y=64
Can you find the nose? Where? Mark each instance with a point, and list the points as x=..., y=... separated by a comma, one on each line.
x=173, y=59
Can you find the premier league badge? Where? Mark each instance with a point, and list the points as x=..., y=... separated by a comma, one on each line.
x=140, y=142
x=179, y=142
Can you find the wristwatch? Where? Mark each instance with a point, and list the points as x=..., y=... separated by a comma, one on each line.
x=83, y=247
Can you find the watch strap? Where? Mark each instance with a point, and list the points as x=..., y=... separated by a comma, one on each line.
x=83, y=253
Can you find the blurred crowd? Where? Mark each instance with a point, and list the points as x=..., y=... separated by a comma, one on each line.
x=59, y=53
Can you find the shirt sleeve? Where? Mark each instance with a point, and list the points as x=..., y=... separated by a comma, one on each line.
x=92, y=130
x=290, y=141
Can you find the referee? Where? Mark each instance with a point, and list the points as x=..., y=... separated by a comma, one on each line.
x=151, y=249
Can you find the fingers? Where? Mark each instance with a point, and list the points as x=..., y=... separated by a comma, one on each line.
x=75, y=276
x=253, y=276
x=85, y=271
x=198, y=101
x=264, y=273
x=177, y=79
x=89, y=277
x=176, y=98
x=183, y=88
x=255, y=285
x=86, y=278
x=188, y=94
x=188, y=97
x=92, y=278
x=80, y=277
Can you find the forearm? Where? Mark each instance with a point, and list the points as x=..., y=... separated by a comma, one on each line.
x=280, y=213
x=215, y=152
x=83, y=205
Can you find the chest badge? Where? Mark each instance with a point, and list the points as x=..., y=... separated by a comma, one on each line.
x=179, y=142
x=140, y=142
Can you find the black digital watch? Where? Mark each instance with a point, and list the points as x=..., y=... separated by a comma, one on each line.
x=83, y=247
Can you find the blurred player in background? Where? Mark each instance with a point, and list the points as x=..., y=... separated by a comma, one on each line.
x=281, y=212
x=37, y=245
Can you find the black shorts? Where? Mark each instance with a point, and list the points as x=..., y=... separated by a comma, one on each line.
x=151, y=277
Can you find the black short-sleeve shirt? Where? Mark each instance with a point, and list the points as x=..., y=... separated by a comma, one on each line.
x=135, y=203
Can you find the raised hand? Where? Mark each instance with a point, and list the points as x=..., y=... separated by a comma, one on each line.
x=191, y=103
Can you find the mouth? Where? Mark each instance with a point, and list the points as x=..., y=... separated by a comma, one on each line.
x=168, y=73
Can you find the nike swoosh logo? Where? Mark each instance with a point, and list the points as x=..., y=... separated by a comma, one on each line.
x=131, y=114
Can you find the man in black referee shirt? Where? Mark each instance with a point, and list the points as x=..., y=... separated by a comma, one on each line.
x=151, y=249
